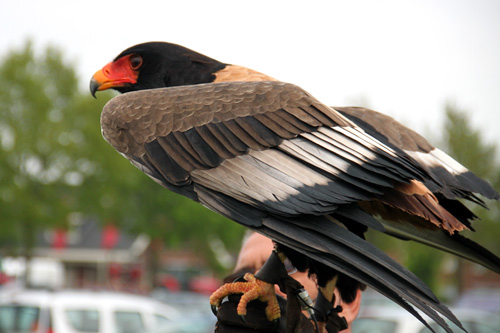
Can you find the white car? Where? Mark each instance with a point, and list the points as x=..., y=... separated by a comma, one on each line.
x=74, y=311
x=396, y=320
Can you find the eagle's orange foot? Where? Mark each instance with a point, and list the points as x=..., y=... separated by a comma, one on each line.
x=251, y=290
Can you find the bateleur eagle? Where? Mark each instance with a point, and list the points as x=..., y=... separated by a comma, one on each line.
x=271, y=157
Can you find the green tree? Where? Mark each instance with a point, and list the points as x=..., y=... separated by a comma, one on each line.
x=467, y=145
x=34, y=96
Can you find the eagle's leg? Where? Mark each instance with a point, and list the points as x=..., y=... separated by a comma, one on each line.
x=259, y=286
x=327, y=315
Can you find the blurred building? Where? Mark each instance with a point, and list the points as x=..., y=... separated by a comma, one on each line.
x=92, y=256
x=459, y=277
x=95, y=256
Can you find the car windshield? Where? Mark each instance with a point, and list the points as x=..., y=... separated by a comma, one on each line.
x=83, y=320
x=18, y=318
x=128, y=322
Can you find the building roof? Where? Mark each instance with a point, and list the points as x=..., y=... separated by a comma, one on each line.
x=88, y=241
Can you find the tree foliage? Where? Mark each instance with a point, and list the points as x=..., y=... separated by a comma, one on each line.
x=55, y=162
x=35, y=94
x=467, y=145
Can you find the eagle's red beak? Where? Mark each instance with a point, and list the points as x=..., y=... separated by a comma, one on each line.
x=116, y=74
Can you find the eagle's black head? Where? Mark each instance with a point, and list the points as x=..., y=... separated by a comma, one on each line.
x=155, y=65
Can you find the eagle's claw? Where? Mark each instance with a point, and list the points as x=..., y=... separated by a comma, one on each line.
x=251, y=290
x=214, y=309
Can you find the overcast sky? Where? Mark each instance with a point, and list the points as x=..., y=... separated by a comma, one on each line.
x=403, y=58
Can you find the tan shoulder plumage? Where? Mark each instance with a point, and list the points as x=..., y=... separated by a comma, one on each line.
x=240, y=73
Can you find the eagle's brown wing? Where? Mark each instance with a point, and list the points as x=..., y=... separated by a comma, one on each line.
x=454, y=180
